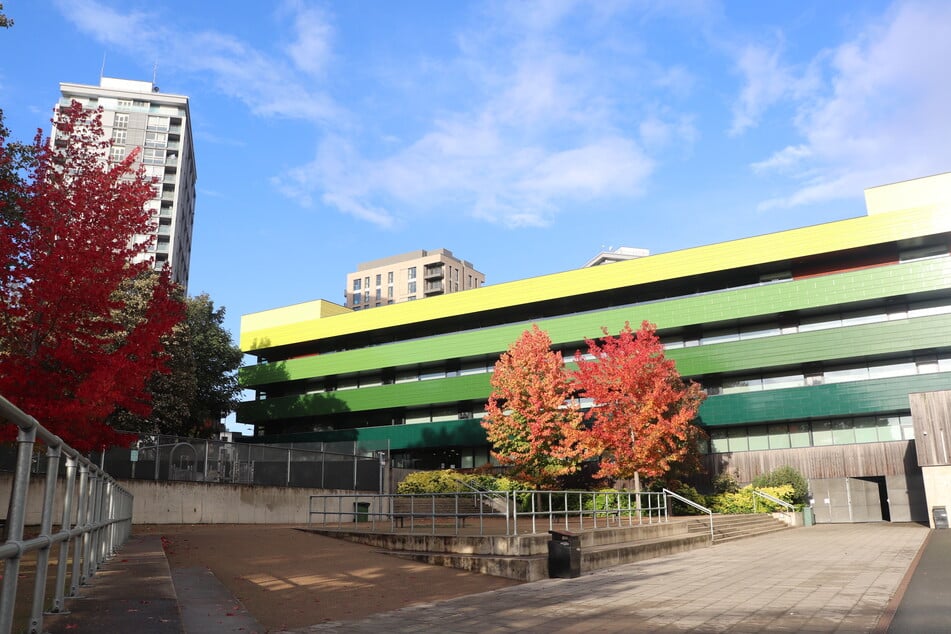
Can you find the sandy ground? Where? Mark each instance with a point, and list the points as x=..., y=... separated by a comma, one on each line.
x=288, y=578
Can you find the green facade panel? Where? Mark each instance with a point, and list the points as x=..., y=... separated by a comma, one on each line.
x=763, y=300
x=454, y=433
x=413, y=394
x=819, y=401
x=849, y=342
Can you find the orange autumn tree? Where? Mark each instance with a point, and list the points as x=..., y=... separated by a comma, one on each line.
x=531, y=419
x=642, y=419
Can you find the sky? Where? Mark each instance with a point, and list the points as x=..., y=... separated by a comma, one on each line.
x=525, y=137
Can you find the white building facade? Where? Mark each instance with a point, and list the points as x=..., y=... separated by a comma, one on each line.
x=137, y=115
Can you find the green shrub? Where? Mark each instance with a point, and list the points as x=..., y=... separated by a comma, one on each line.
x=785, y=476
x=743, y=501
x=449, y=481
x=726, y=482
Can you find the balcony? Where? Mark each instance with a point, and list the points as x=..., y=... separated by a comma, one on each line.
x=433, y=271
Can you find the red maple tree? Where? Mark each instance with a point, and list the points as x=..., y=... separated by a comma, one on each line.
x=641, y=422
x=69, y=354
x=531, y=420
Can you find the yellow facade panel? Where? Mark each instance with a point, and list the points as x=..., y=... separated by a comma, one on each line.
x=277, y=327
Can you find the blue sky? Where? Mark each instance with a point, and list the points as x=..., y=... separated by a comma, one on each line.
x=525, y=137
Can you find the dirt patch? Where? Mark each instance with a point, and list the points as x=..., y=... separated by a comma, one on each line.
x=288, y=578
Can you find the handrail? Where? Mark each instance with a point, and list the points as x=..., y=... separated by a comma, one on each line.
x=772, y=498
x=94, y=515
x=670, y=493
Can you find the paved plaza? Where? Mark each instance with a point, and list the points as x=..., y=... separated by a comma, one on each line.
x=827, y=578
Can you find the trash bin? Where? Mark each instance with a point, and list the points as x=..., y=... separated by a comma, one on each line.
x=940, y=516
x=808, y=519
x=361, y=511
x=564, y=555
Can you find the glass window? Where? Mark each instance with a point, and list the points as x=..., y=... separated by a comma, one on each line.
x=822, y=433
x=865, y=429
x=153, y=156
x=356, y=284
x=759, y=332
x=389, y=277
x=933, y=307
x=121, y=121
x=758, y=438
x=888, y=428
x=366, y=297
x=158, y=123
x=819, y=323
x=734, y=385
x=379, y=279
x=117, y=153
x=843, y=375
x=124, y=104
x=411, y=287
x=119, y=136
x=719, y=442
x=907, y=429
x=738, y=439
x=799, y=435
x=863, y=317
x=156, y=139
x=891, y=369
x=842, y=432
x=379, y=294
x=779, y=436
x=720, y=336
x=407, y=376
x=366, y=282
x=411, y=273
x=389, y=291
x=784, y=380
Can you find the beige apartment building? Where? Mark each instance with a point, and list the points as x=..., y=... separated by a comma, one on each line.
x=409, y=276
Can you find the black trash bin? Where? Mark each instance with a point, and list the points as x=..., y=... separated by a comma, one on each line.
x=564, y=555
x=940, y=516
x=361, y=511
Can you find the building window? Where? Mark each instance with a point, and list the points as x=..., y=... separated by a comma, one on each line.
x=379, y=295
x=389, y=277
x=153, y=156
x=116, y=153
x=121, y=121
x=379, y=279
x=119, y=136
x=156, y=139
x=411, y=287
x=366, y=297
x=356, y=284
x=411, y=273
x=124, y=104
x=158, y=123
x=389, y=293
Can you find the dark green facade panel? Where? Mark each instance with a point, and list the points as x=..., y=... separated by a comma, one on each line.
x=763, y=300
x=819, y=401
x=399, y=395
x=454, y=433
x=891, y=337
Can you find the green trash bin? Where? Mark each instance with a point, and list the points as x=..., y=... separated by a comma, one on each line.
x=361, y=511
x=808, y=519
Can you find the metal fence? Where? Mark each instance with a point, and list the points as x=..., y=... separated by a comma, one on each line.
x=93, y=512
x=343, y=465
x=489, y=512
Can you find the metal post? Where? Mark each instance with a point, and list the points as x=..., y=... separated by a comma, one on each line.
x=205, y=477
x=69, y=496
x=16, y=517
x=79, y=545
x=46, y=527
x=288, y=480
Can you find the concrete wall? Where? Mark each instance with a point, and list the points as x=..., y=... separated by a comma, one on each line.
x=937, y=489
x=191, y=502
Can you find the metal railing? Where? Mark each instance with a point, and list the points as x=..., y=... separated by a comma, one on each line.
x=497, y=512
x=94, y=515
x=789, y=508
x=670, y=494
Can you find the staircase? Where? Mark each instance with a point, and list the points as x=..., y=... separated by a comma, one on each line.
x=730, y=527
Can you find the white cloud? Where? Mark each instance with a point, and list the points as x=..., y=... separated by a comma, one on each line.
x=268, y=85
x=882, y=116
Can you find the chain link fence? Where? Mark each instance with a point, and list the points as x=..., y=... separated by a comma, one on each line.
x=342, y=465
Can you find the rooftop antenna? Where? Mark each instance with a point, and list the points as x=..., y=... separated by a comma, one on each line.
x=154, y=71
x=102, y=69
